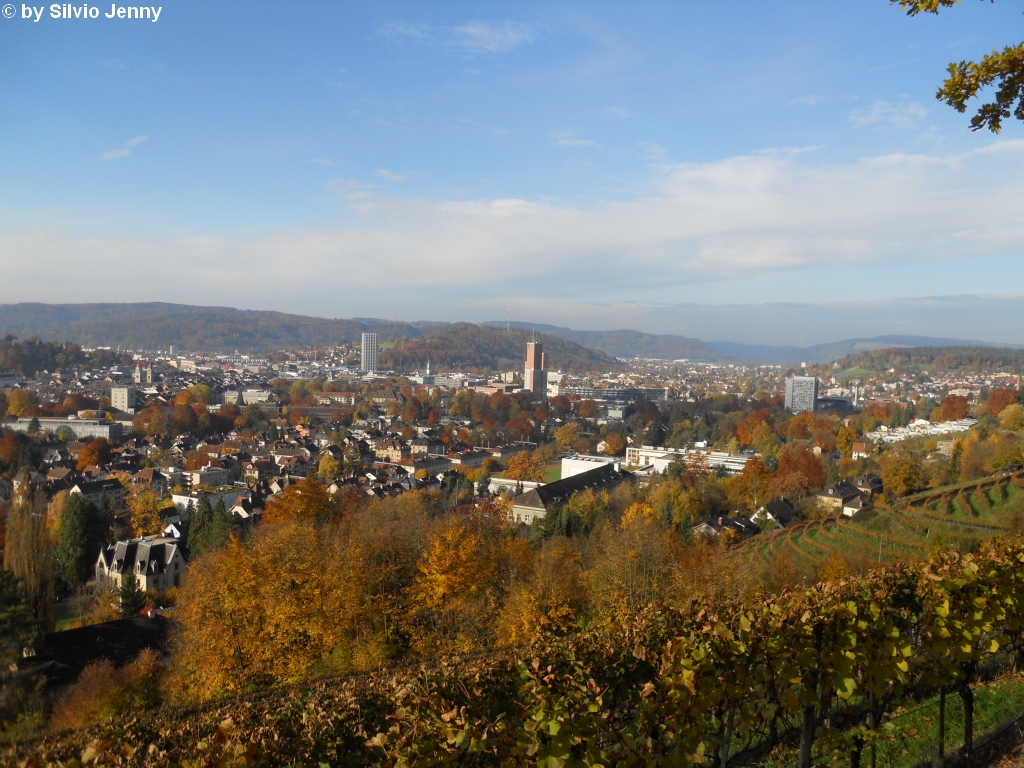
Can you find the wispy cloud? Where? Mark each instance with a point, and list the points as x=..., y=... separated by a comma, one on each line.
x=124, y=150
x=568, y=139
x=471, y=37
x=350, y=190
x=906, y=115
x=392, y=176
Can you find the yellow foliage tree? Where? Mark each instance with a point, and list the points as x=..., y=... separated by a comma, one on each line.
x=143, y=510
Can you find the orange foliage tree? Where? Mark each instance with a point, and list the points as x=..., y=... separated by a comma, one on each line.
x=998, y=399
x=96, y=453
x=955, y=407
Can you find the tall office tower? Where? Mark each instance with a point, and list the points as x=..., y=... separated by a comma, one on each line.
x=535, y=379
x=123, y=399
x=801, y=394
x=368, y=352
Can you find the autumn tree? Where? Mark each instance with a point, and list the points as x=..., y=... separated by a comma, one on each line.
x=999, y=70
x=955, y=407
x=28, y=554
x=749, y=489
x=901, y=474
x=329, y=467
x=551, y=600
x=22, y=402
x=999, y=399
x=567, y=435
x=308, y=500
x=614, y=444
x=588, y=409
x=1012, y=417
x=524, y=466
x=144, y=506
x=96, y=453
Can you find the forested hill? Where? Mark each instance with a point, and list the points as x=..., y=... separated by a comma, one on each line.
x=942, y=358
x=627, y=343
x=157, y=325
x=485, y=348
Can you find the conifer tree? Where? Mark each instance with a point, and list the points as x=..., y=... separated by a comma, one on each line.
x=133, y=599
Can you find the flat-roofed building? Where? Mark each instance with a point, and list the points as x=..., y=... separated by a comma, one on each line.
x=801, y=393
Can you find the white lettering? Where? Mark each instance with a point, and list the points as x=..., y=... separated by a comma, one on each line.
x=28, y=11
x=156, y=13
x=110, y=15
x=55, y=11
x=94, y=12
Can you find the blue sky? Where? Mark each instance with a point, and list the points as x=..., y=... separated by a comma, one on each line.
x=596, y=165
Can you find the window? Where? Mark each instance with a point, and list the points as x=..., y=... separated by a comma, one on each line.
x=177, y=580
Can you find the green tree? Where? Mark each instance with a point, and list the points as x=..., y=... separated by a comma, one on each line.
x=82, y=533
x=199, y=525
x=18, y=627
x=133, y=599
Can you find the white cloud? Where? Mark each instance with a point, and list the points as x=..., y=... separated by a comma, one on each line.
x=568, y=139
x=889, y=113
x=391, y=176
x=729, y=222
x=124, y=150
x=471, y=37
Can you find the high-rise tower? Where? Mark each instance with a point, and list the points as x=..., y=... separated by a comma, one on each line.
x=535, y=379
x=368, y=352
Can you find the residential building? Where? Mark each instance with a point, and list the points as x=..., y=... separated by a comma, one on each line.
x=157, y=563
x=98, y=491
x=392, y=450
x=861, y=449
x=123, y=399
x=368, y=352
x=534, y=504
x=801, y=393
x=836, y=497
x=427, y=446
x=535, y=378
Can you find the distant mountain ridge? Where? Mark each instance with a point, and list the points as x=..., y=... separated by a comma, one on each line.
x=157, y=325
